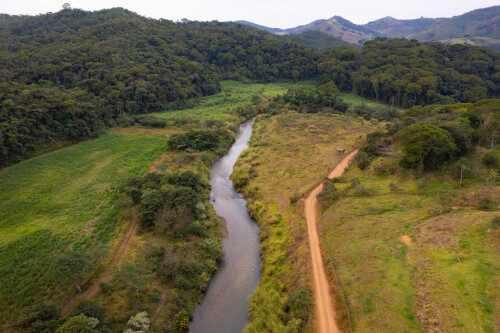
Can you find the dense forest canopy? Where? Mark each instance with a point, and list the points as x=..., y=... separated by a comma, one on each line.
x=70, y=74
x=408, y=73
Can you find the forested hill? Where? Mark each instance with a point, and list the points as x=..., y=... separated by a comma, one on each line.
x=71, y=74
x=67, y=75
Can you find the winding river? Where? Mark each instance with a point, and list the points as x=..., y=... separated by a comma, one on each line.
x=224, y=305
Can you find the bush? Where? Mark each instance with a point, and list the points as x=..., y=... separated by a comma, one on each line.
x=361, y=190
x=294, y=198
x=151, y=121
x=151, y=202
x=488, y=204
x=41, y=318
x=89, y=309
x=491, y=159
x=79, y=324
x=214, y=140
x=329, y=194
x=298, y=305
x=362, y=160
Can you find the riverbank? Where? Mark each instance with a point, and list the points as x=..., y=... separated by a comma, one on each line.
x=289, y=154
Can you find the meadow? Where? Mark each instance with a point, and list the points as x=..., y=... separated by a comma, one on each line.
x=234, y=94
x=65, y=199
x=414, y=253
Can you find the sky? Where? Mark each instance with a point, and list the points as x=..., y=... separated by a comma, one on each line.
x=271, y=13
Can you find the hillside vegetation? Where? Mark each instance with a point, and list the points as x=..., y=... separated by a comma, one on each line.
x=418, y=250
x=70, y=75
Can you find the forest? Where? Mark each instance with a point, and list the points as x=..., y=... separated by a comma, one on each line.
x=67, y=76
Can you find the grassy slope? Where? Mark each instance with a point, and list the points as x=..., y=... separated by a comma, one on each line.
x=60, y=199
x=447, y=279
x=288, y=154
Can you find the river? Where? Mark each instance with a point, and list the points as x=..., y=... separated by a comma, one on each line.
x=224, y=305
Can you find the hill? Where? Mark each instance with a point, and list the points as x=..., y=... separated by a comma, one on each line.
x=394, y=28
x=479, y=27
x=338, y=27
x=317, y=40
x=261, y=27
x=69, y=75
x=483, y=23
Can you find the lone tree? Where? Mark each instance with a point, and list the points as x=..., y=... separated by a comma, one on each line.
x=421, y=141
x=73, y=266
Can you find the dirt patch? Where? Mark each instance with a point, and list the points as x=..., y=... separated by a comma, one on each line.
x=405, y=239
x=160, y=306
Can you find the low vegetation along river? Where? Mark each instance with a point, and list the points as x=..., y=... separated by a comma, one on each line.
x=224, y=306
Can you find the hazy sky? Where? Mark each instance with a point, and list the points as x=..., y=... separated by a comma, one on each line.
x=273, y=13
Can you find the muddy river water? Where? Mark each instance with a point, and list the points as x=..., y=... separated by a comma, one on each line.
x=224, y=305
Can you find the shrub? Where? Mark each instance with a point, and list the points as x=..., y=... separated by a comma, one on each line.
x=491, y=159
x=329, y=194
x=80, y=324
x=182, y=321
x=151, y=121
x=298, y=305
x=152, y=201
x=214, y=140
x=89, y=309
x=361, y=190
x=488, y=204
x=362, y=160
x=294, y=198
x=41, y=318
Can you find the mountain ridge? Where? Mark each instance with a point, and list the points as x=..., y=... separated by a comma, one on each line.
x=478, y=27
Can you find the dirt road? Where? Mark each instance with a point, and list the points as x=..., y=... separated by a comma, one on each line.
x=325, y=312
x=116, y=260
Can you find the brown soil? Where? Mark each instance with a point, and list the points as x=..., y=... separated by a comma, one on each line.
x=325, y=312
x=106, y=275
x=405, y=239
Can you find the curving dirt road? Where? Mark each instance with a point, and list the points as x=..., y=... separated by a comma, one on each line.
x=325, y=312
x=105, y=276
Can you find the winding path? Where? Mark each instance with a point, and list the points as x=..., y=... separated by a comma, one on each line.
x=325, y=312
x=106, y=275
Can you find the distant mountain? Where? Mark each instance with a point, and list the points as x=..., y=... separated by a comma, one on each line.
x=261, y=27
x=394, y=28
x=481, y=26
x=337, y=26
x=317, y=40
x=478, y=23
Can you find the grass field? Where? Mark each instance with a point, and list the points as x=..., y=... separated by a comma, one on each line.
x=412, y=254
x=60, y=200
x=233, y=95
x=288, y=155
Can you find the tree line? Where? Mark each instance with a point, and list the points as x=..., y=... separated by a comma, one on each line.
x=69, y=75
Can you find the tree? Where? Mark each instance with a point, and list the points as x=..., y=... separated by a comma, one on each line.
x=419, y=141
x=135, y=276
x=79, y=324
x=138, y=323
x=73, y=266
